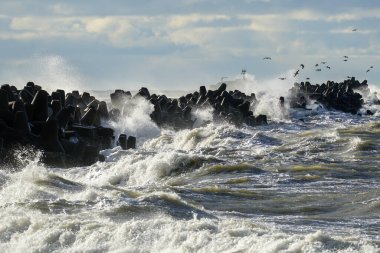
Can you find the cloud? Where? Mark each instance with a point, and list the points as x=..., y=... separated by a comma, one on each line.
x=197, y=36
x=305, y=15
x=354, y=15
x=61, y=9
x=348, y=30
x=348, y=15
x=31, y=28
x=178, y=21
x=235, y=36
x=267, y=23
x=205, y=34
x=120, y=31
x=133, y=30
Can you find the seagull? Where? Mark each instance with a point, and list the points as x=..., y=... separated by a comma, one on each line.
x=318, y=70
x=297, y=72
x=328, y=67
x=368, y=70
x=354, y=30
x=302, y=66
x=345, y=60
x=267, y=58
x=282, y=78
x=324, y=62
x=316, y=65
x=345, y=56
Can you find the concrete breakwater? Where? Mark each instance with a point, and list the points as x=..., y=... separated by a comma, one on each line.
x=65, y=126
x=345, y=96
x=69, y=127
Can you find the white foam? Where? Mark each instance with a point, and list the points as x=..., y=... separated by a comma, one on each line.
x=137, y=179
x=353, y=144
x=109, y=204
x=91, y=231
x=193, y=140
x=134, y=169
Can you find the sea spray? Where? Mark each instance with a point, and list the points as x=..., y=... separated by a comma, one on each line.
x=50, y=71
x=20, y=157
x=267, y=93
x=135, y=120
x=202, y=116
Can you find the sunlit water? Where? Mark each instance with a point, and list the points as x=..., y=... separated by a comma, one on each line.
x=309, y=181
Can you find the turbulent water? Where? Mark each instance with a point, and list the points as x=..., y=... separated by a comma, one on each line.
x=309, y=181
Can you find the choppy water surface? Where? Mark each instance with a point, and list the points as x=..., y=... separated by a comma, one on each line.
x=310, y=185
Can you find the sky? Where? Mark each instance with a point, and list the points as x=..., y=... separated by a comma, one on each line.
x=181, y=44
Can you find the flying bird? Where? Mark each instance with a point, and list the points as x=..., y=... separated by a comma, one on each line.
x=324, y=62
x=267, y=58
x=316, y=65
x=307, y=78
x=354, y=30
x=282, y=78
x=345, y=60
x=345, y=56
x=243, y=71
x=302, y=66
x=318, y=70
x=371, y=67
x=297, y=72
x=328, y=67
x=348, y=77
x=368, y=70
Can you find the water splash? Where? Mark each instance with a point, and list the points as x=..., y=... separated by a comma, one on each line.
x=136, y=121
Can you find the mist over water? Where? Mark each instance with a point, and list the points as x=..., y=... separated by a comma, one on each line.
x=309, y=185
x=50, y=71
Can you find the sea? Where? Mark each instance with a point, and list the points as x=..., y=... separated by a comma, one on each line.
x=309, y=181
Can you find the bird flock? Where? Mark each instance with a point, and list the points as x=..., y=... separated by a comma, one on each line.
x=318, y=66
